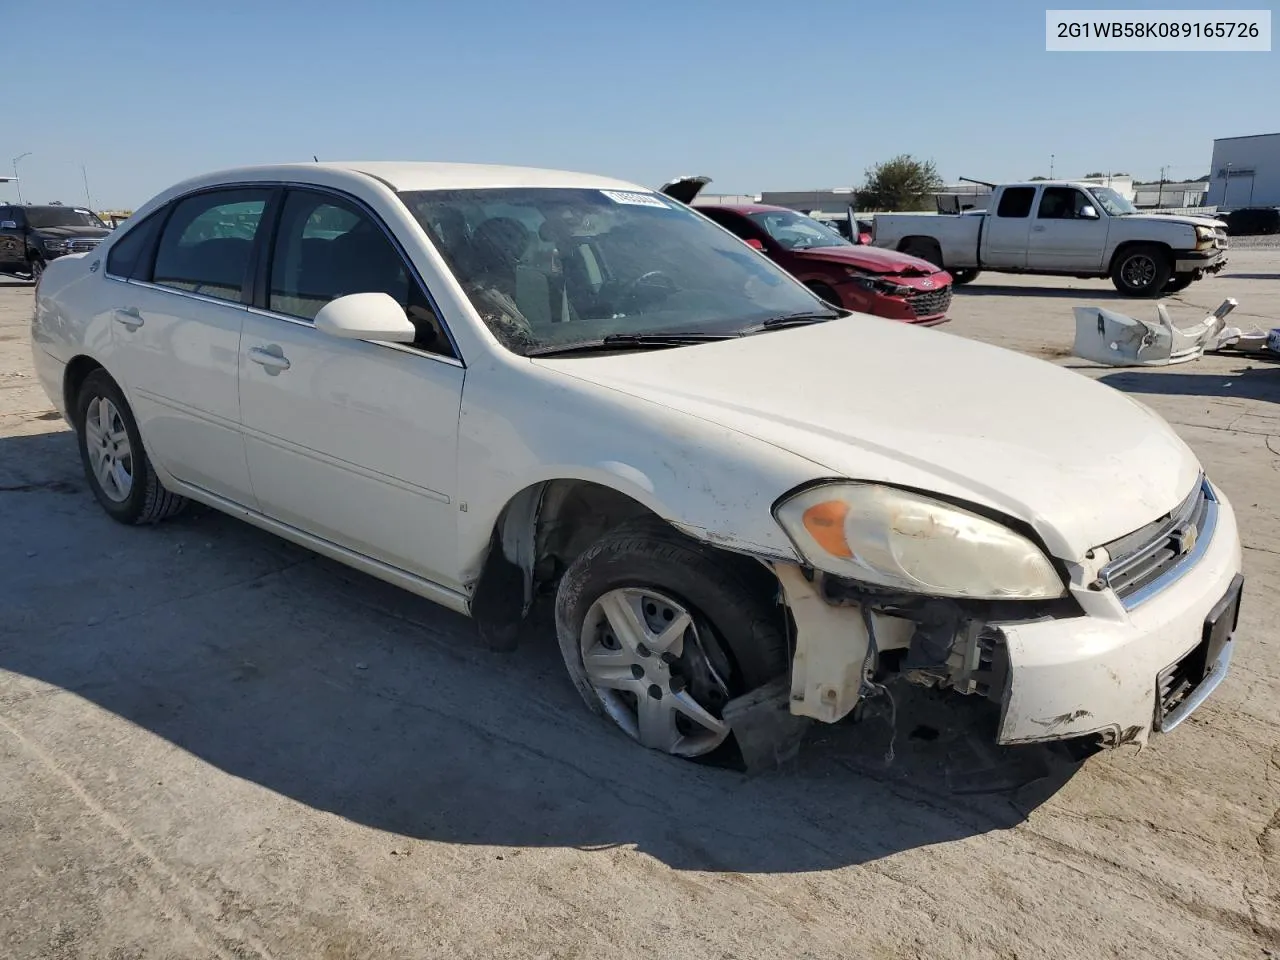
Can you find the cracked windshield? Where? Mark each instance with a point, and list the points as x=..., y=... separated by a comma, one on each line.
x=554, y=267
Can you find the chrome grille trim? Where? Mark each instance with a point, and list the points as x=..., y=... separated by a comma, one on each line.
x=1145, y=562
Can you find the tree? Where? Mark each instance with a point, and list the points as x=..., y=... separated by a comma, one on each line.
x=1033, y=179
x=1096, y=173
x=903, y=183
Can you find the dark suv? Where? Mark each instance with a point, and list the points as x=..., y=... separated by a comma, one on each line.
x=31, y=236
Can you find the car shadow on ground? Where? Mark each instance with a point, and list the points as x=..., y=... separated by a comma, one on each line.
x=977, y=287
x=1249, y=383
x=353, y=697
x=1251, y=276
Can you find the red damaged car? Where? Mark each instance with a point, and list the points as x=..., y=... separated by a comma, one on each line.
x=854, y=276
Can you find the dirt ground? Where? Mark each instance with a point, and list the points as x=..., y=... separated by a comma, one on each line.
x=215, y=744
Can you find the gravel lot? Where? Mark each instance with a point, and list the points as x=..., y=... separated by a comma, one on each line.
x=214, y=744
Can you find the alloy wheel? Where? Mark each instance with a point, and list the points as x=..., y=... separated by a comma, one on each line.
x=110, y=454
x=655, y=670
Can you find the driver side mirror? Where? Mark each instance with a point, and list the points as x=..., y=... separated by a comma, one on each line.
x=366, y=316
x=755, y=244
x=1088, y=212
x=8, y=225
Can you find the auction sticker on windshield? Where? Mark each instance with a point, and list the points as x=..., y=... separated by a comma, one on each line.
x=635, y=199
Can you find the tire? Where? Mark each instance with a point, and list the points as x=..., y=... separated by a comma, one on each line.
x=667, y=691
x=924, y=250
x=1180, y=281
x=36, y=269
x=959, y=277
x=826, y=293
x=1142, y=270
x=115, y=463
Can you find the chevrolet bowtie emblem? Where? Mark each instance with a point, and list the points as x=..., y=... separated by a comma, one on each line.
x=1187, y=538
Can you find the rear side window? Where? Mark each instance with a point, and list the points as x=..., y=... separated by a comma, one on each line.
x=1016, y=202
x=207, y=243
x=130, y=256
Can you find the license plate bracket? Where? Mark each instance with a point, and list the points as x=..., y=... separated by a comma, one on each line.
x=1219, y=625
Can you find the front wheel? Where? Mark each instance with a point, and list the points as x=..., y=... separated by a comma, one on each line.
x=36, y=269
x=115, y=463
x=659, y=632
x=960, y=277
x=826, y=293
x=1142, y=271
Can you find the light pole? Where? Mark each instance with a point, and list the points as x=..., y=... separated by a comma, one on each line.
x=88, y=200
x=17, y=181
x=1051, y=166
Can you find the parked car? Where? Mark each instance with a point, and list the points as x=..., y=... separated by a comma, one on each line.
x=858, y=230
x=31, y=236
x=1067, y=229
x=848, y=275
x=492, y=384
x=1253, y=221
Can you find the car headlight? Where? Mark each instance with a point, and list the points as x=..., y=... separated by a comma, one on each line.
x=878, y=285
x=54, y=244
x=905, y=541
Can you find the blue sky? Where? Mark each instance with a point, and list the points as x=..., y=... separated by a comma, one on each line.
x=756, y=94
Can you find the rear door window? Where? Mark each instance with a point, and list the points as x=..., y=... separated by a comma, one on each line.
x=207, y=244
x=1016, y=202
x=130, y=256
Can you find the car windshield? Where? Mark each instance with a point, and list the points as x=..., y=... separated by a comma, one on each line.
x=39, y=217
x=548, y=267
x=795, y=231
x=1112, y=202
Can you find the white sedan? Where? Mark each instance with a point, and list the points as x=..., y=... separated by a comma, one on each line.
x=486, y=384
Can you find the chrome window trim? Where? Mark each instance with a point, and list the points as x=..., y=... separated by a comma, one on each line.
x=402, y=347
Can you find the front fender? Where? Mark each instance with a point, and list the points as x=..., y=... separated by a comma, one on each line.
x=519, y=427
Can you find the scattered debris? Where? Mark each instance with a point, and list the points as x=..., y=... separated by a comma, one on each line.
x=1115, y=339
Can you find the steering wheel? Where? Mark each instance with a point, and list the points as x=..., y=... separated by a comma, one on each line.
x=631, y=287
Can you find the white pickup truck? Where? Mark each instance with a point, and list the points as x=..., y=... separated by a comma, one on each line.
x=1063, y=228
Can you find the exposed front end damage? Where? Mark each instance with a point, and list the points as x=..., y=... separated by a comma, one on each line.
x=1086, y=666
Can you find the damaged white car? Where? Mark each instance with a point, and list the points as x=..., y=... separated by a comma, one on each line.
x=487, y=384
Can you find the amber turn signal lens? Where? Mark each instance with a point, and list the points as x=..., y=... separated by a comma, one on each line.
x=825, y=523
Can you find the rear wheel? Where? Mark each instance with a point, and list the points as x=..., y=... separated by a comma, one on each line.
x=115, y=462
x=924, y=249
x=1142, y=271
x=962, y=276
x=659, y=632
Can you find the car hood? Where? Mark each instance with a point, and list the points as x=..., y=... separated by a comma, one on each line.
x=65, y=233
x=870, y=259
x=1190, y=221
x=877, y=400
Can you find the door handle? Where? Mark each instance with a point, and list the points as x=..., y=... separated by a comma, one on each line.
x=1038, y=229
x=129, y=317
x=270, y=358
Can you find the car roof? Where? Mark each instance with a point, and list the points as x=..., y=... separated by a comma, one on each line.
x=421, y=175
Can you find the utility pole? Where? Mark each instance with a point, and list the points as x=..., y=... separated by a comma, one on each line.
x=18, y=182
x=1160, y=195
x=88, y=200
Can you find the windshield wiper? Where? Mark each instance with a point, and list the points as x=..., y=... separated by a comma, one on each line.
x=801, y=319
x=628, y=341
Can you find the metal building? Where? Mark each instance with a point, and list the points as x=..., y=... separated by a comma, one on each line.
x=1245, y=172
